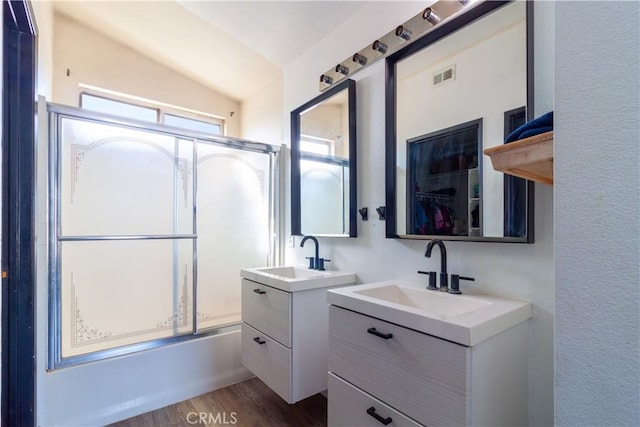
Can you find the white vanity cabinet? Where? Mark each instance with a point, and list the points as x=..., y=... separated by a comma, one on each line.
x=285, y=337
x=381, y=373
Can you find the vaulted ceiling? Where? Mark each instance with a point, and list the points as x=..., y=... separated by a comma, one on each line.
x=234, y=47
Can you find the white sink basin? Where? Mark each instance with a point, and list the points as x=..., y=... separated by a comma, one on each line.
x=293, y=279
x=292, y=272
x=466, y=319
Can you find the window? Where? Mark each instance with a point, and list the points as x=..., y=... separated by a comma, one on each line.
x=150, y=111
x=117, y=108
x=314, y=145
x=192, y=124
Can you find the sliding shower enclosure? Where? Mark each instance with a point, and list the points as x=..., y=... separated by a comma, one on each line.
x=149, y=227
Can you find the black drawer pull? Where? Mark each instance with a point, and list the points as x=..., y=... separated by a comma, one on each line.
x=259, y=291
x=372, y=411
x=259, y=341
x=379, y=334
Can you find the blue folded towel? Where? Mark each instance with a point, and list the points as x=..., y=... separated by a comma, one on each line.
x=537, y=126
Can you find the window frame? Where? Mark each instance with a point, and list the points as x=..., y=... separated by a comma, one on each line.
x=161, y=108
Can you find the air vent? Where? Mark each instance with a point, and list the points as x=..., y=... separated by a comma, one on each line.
x=445, y=75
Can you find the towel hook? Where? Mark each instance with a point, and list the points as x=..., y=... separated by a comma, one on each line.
x=364, y=213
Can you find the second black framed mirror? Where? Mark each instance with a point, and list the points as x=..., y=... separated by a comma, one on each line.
x=323, y=164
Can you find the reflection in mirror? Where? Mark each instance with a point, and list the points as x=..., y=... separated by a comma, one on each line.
x=443, y=191
x=323, y=195
x=457, y=92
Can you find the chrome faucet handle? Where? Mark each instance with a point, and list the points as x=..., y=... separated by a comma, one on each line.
x=455, y=283
x=432, y=279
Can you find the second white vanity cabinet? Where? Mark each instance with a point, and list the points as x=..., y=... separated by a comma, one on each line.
x=382, y=373
x=285, y=332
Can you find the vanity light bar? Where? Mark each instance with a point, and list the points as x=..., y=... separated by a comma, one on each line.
x=401, y=36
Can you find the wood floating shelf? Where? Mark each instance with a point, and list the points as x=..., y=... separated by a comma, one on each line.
x=529, y=158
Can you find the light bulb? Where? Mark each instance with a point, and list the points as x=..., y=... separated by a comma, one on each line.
x=403, y=33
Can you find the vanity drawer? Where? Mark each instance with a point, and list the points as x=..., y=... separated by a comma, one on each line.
x=268, y=310
x=350, y=406
x=422, y=376
x=268, y=360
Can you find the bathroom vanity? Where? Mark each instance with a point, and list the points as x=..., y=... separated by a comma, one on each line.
x=399, y=353
x=285, y=327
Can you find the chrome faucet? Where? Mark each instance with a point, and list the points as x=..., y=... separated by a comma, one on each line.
x=444, y=277
x=315, y=263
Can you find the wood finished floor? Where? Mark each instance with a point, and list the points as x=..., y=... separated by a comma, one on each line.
x=250, y=403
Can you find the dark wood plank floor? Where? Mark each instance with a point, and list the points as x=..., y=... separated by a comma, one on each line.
x=247, y=404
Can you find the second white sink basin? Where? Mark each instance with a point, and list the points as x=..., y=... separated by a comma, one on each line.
x=434, y=303
x=293, y=279
x=466, y=319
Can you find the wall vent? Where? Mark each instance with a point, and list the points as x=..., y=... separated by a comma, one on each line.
x=445, y=75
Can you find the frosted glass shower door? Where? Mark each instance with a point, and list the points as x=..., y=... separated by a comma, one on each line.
x=233, y=227
x=150, y=227
x=125, y=236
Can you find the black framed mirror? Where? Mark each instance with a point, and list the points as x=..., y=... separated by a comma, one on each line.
x=323, y=164
x=459, y=89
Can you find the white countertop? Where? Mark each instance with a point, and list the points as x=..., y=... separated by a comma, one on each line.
x=467, y=319
x=294, y=279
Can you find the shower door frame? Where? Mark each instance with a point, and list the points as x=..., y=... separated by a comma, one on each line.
x=55, y=113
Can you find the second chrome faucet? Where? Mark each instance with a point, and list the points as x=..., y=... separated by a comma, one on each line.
x=315, y=262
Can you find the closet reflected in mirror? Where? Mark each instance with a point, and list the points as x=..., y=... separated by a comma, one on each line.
x=323, y=164
x=445, y=194
x=451, y=94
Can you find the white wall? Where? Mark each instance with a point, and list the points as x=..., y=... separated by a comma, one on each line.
x=261, y=115
x=597, y=240
x=97, y=60
x=43, y=11
x=517, y=271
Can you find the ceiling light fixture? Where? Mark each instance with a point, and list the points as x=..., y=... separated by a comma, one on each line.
x=401, y=36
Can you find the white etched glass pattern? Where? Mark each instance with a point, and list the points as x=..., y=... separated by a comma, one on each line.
x=119, y=181
x=115, y=293
x=233, y=228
